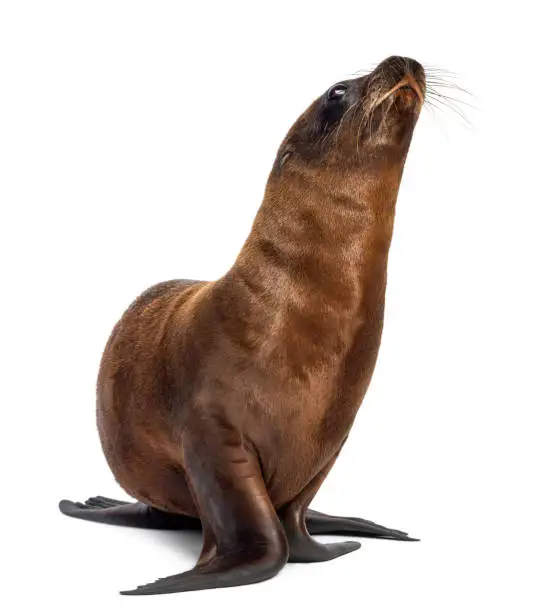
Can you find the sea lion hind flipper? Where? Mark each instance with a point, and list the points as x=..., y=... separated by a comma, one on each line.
x=318, y=523
x=302, y=547
x=113, y=512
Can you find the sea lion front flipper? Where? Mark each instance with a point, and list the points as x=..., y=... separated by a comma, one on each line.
x=244, y=541
x=318, y=523
x=302, y=547
x=114, y=512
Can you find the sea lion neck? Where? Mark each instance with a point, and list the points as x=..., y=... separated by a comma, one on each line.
x=328, y=238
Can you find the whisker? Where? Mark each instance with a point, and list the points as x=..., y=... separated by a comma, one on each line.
x=449, y=104
x=441, y=104
x=443, y=94
x=447, y=85
x=364, y=115
x=439, y=70
x=431, y=108
x=444, y=81
x=346, y=114
x=437, y=94
x=455, y=110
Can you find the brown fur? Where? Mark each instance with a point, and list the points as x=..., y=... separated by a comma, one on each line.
x=259, y=375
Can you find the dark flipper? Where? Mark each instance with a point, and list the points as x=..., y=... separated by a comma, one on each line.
x=318, y=523
x=302, y=547
x=214, y=571
x=222, y=571
x=300, y=523
x=113, y=512
x=244, y=541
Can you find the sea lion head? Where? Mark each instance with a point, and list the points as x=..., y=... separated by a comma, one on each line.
x=358, y=129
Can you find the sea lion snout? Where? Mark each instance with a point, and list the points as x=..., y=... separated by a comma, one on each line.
x=402, y=76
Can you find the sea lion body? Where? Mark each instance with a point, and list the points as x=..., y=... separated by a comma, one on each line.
x=278, y=394
x=230, y=400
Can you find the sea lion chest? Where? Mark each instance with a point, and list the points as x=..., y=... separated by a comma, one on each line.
x=291, y=382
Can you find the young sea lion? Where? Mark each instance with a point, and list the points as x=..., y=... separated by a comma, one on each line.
x=223, y=405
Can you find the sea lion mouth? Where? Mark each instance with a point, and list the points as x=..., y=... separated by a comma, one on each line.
x=407, y=88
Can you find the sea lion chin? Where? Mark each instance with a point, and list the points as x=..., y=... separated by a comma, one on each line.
x=223, y=405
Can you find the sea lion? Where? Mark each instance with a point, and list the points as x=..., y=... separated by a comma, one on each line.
x=223, y=405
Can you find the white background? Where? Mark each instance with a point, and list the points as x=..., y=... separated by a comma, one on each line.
x=135, y=142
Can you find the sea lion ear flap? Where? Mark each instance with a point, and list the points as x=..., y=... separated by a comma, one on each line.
x=283, y=158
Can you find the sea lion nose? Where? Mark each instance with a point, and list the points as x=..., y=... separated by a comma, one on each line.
x=407, y=64
x=415, y=69
x=400, y=65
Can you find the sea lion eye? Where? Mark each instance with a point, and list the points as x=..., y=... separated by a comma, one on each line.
x=337, y=91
